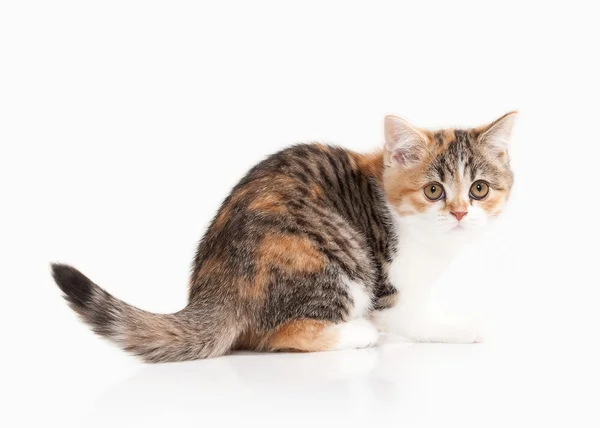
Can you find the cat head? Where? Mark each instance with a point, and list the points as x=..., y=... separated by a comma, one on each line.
x=450, y=181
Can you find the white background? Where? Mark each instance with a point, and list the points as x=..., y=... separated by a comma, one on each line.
x=124, y=124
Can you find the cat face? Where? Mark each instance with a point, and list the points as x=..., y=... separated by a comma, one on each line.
x=447, y=182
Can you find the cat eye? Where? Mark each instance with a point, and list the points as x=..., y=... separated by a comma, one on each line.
x=479, y=189
x=434, y=191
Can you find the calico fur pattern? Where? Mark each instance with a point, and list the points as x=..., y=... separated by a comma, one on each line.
x=272, y=272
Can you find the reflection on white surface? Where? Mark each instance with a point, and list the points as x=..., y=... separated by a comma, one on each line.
x=404, y=383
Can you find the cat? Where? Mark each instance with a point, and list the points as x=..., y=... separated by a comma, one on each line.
x=319, y=248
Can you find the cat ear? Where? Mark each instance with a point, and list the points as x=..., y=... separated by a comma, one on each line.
x=404, y=143
x=496, y=137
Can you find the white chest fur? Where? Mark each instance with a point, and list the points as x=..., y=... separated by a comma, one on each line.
x=418, y=263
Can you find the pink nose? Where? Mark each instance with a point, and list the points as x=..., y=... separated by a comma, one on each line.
x=459, y=214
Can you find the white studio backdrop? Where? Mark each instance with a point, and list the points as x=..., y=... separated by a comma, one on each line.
x=124, y=124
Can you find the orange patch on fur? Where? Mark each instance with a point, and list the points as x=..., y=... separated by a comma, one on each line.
x=323, y=147
x=294, y=254
x=260, y=194
x=317, y=191
x=223, y=215
x=268, y=202
x=371, y=164
x=225, y=211
x=405, y=187
x=448, y=136
x=495, y=201
x=257, y=288
x=302, y=335
x=209, y=267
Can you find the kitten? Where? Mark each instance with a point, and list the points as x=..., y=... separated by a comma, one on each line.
x=319, y=248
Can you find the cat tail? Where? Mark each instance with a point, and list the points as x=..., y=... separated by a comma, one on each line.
x=184, y=335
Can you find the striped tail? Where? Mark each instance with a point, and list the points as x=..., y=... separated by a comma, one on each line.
x=185, y=335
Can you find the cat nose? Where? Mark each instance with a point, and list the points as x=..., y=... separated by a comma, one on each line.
x=459, y=214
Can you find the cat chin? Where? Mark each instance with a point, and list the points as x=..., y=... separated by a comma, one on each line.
x=442, y=239
x=461, y=236
x=451, y=236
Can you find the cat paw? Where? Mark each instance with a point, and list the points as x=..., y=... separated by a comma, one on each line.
x=470, y=329
x=359, y=333
x=464, y=332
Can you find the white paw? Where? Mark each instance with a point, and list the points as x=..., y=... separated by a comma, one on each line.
x=467, y=329
x=359, y=333
x=460, y=333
